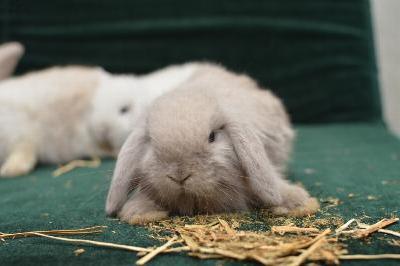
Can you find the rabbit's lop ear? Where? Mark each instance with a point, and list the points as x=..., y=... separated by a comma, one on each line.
x=263, y=178
x=126, y=174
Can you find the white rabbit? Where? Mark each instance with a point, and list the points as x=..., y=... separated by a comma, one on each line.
x=65, y=113
x=218, y=143
x=10, y=54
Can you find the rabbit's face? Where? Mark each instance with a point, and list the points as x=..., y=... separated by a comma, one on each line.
x=190, y=165
x=114, y=112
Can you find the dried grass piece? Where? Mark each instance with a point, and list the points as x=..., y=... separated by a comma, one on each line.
x=370, y=257
x=197, y=226
x=177, y=249
x=217, y=239
x=344, y=227
x=389, y=232
x=214, y=237
x=79, y=251
x=94, y=163
x=394, y=242
x=227, y=228
x=205, y=256
x=223, y=252
x=293, y=229
x=261, y=260
x=157, y=251
x=94, y=243
x=330, y=257
x=385, y=231
x=192, y=244
x=303, y=256
x=375, y=227
x=81, y=231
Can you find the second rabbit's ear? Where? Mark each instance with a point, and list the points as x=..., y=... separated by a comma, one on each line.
x=10, y=54
x=127, y=171
x=264, y=180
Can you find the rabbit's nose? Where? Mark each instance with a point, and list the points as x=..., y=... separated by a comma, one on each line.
x=180, y=179
x=104, y=140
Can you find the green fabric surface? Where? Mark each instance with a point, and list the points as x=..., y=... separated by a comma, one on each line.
x=363, y=159
x=317, y=55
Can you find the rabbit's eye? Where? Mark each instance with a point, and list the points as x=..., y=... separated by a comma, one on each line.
x=124, y=109
x=211, y=137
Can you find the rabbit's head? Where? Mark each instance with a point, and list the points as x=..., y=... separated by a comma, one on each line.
x=191, y=157
x=190, y=165
x=115, y=108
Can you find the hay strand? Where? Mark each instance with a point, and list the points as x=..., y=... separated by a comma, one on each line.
x=82, y=231
x=370, y=257
x=94, y=163
x=94, y=243
x=157, y=251
x=375, y=227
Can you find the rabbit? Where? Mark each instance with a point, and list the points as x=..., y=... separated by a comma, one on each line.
x=216, y=143
x=64, y=113
x=10, y=54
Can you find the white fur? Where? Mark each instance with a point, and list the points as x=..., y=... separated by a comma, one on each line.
x=135, y=91
x=64, y=113
x=10, y=54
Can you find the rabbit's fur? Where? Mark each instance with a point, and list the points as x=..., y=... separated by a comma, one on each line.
x=217, y=143
x=65, y=113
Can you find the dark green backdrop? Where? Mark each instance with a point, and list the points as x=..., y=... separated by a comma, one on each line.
x=316, y=54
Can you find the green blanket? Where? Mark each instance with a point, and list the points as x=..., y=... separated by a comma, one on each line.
x=330, y=160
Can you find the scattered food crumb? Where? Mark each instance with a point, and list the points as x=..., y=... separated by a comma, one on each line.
x=79, y=251
x=371, y=197
x=309, y=171
x=332, y=202
x=68, y=184
x=391, y=182
x=45, y=215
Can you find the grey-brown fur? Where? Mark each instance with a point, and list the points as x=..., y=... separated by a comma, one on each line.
x=242, y=169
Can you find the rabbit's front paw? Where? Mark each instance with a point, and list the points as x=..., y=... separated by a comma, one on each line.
x=140, y=209
x=20, y=161
x=144, y=218
x=309, y=206
x=16, y=166
x=296, y=202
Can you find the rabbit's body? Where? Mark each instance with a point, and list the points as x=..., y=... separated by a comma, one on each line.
x=215, y=144
x=65, y=113
x=49, y=108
